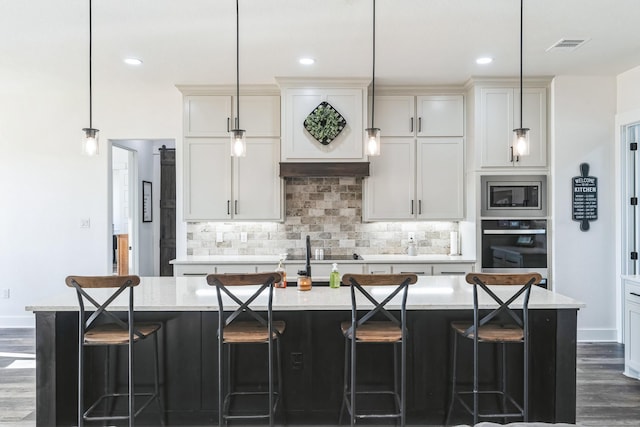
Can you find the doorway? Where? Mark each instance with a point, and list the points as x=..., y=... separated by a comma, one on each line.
x=136, y=163
x=123, y=202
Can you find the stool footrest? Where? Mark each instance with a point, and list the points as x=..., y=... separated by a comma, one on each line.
x=87, y=417
x=519, y=410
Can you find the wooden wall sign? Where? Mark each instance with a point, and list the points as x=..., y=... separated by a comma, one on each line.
x=585, y=197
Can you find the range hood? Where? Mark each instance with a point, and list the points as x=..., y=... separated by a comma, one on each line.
x=324, y=169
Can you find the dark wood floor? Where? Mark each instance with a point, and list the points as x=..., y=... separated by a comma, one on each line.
x=606, y=398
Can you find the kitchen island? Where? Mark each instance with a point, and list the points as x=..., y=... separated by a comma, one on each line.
x=313, y=349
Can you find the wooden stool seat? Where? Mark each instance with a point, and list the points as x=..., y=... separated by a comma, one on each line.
x=373, y=331
x=112, y=334
x=492, y=332
x=252, y=332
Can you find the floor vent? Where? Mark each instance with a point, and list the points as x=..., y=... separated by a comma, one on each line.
x=567, y=45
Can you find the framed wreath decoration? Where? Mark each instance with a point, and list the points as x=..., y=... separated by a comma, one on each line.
x=324, y=123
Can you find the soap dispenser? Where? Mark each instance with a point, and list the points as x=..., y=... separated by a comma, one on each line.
x=334, y=277
x=411, y=248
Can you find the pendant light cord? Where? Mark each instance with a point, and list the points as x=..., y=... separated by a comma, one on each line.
x=90, y=79
x=237, y=65
x=521, y=20
x=373, y=79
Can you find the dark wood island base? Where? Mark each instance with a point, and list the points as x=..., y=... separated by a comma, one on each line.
x=312, y=358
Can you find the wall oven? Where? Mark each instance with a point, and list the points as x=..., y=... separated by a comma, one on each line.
x=514, y=196
x=515, y=246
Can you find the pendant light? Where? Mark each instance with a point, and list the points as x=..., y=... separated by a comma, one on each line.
x=90, y=138
x=238, y=142
x=373, y=133
x=520, y=145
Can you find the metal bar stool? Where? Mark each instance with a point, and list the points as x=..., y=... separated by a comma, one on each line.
x=368, y=329
x=233, y=329
x=501, y=326
x=94, y=332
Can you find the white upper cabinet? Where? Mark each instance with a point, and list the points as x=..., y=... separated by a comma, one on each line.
x=218, y=186
x=440, y=174
x=499, y=113
x=419, y=174
x=389, y=191
x=207, y=179
x=440, y=115
x=301, y=97
x=394, y=115
x=424, y=115
x=206, y=115
x=260, y=115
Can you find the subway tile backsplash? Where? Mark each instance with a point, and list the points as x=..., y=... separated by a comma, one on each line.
x=330, y=211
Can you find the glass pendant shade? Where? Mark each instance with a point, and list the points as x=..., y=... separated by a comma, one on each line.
x=521, y=142
x=90, y=145
x=373, y=141
x=238, y=143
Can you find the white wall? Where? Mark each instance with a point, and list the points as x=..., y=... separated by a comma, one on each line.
x=47, y=186
x=582, y=131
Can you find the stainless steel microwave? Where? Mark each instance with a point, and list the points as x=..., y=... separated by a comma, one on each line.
x=514, y=196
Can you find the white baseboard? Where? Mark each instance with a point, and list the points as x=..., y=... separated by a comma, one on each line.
x=597, y=335
x=28, y=321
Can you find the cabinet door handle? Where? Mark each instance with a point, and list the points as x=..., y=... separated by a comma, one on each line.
x=412, y=207
x=419, y=207
x=194, y=274
x=228, y=120
x=411, y=130
x=419, y=273
x=511, y=154
x=452, y=273
x=419, y=124
x=634, y=294
x=228, y=207
x=236, y=207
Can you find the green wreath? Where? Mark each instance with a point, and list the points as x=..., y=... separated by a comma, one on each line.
x=324, y=123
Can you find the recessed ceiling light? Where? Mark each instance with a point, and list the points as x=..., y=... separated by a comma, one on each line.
x=132, y=61
x=307, y=61
x=484, y=60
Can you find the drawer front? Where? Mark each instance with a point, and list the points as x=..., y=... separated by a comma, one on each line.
x=324, y=270
x=378, y=268
x=632, y=291
x=235, y=268
x=193, y=269
x=419, y=269
x=452, y=269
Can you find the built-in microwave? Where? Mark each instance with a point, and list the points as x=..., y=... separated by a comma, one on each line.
x=514, y=196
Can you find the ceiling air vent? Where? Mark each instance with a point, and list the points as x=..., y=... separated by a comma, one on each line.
x=567, y=45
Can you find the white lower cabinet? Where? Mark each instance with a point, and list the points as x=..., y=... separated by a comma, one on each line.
x=632, y=329
x=419, y=269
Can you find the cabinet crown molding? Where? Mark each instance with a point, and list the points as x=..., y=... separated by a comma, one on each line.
x=532, y=81
x=322, y=82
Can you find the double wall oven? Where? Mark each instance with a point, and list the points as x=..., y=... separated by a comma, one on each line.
x=514, y=234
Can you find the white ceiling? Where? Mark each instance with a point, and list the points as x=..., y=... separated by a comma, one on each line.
x=428, y=42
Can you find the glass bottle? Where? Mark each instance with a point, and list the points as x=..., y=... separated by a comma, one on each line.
x=283, y=273
x=334, y=277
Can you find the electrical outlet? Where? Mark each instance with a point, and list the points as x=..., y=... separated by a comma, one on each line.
x=412, y=235
x=5, y=293
x=243, y=237
x=297, y=361
x=219, y=237
x=85, y=223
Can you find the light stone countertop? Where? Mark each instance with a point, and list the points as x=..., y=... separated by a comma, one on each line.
x=165, y=294
x=364, y=258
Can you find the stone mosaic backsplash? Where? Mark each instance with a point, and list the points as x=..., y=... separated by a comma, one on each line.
x=329, y=210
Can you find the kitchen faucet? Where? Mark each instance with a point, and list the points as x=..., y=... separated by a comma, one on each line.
x=308, y=266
